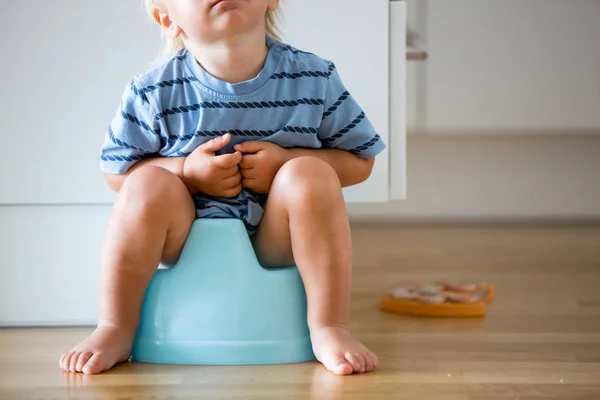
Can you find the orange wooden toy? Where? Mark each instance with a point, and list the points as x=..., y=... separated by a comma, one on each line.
x=441, y=299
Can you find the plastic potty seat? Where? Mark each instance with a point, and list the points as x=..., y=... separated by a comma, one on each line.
x=219, y=306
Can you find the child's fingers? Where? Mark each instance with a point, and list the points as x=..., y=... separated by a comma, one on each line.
x=232, y=181
x=215, y=144
x=250, y=183
x=233, y=191
x=249, y=173
x=249, y=161
x=250, y=147
x=229, y=172
x=228, y=160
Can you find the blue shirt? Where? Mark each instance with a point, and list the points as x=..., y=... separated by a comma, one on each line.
x=297, y=100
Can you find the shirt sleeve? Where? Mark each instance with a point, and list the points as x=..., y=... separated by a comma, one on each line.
x=344, y=124
x=133, y=134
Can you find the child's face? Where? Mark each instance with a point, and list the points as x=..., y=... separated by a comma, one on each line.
x=208, y=20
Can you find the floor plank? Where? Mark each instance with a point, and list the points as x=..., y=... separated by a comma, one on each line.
x=540, y=340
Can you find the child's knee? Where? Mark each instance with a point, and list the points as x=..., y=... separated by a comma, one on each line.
x=150, y=185
x=306, y=179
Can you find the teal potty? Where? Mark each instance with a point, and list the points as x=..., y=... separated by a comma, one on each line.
x=219, y=306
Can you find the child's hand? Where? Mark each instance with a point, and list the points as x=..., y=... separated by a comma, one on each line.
x=213, y=175
x=260, y=163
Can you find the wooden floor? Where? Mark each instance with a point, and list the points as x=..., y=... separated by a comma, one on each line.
x=540, y=340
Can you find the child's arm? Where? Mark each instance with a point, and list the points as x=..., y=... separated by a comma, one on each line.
x=350, y=142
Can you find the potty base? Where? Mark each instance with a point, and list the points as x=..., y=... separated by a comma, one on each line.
x=211, y=353
x=219, y=306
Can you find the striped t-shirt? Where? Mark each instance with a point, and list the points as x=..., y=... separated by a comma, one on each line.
x=297, y=100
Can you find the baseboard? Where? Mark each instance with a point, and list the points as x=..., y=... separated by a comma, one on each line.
x=48, y=325
x=525, y=222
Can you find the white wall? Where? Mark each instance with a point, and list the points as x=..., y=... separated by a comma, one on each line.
x=50, y=264
x=64, y=67
x=513, y=66
x=528, y=177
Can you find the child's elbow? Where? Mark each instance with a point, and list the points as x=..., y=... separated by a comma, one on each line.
x=366, y=168
x=113, y=181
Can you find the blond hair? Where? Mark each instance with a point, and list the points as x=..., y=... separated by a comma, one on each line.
x=172, y=46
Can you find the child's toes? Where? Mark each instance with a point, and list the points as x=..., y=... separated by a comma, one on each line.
x=66, y=360
x=94, y=365
x=374, y=358
x=61, y=361
x=361, y=361
x=369, y=363
x=83, y=358
x=73, y=363
x=354, y=361
x=338, y=365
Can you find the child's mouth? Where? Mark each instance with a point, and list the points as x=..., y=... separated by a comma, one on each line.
x=217, y=2
x=224, y=5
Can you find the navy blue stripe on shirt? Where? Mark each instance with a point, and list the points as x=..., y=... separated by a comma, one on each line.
x=169, y=83
x=240, y=105
x=365, y=146
x=115, y=157
x=121, y=143
x=336, y=105
x=137, y=121
x=346, y=129
x=140, y=93
x=301, y=74
x=240, y=132
x=331, y=68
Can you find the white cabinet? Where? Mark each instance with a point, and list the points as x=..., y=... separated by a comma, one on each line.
x=64, y=66
x=62, y=89
x=355, y=35
x=50, y=264
x=510, y=66
x=399, y=92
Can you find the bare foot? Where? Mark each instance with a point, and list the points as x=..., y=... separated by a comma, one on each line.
x=340, y=352
x=105, y=347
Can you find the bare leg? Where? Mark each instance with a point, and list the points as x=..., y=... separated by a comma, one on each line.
x=305, y=220
x=150, y=220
